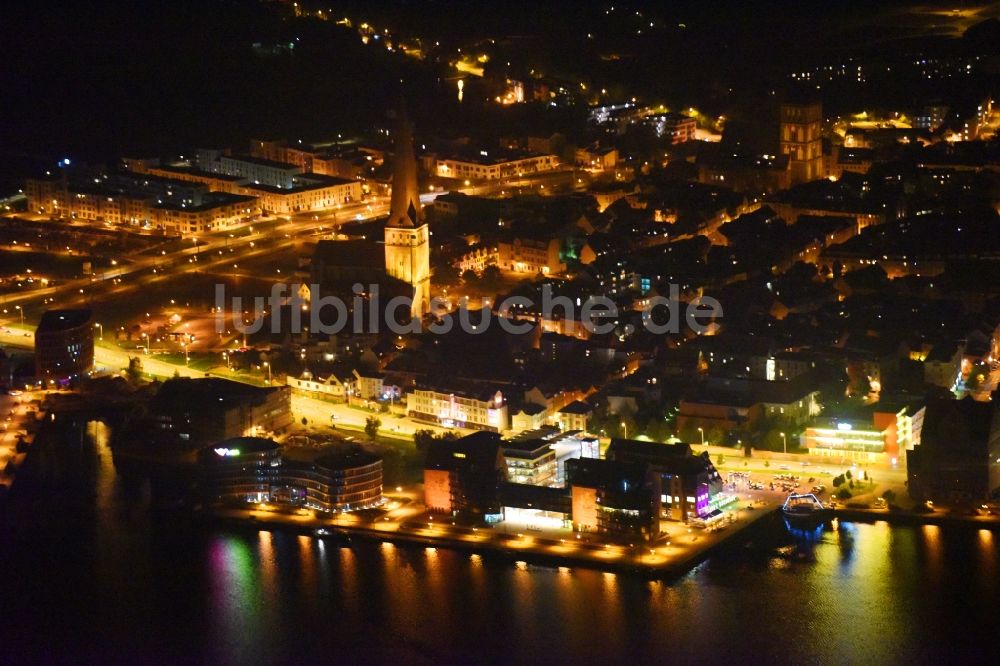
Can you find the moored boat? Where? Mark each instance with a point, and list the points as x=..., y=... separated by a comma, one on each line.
x=805, y=508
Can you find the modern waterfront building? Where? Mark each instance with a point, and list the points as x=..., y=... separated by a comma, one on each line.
x=687, y=481
x=536, y=506
x=343, y=479
x=463, y=476
x=240, y=469
x=255, y=469
x=957, y=461
x=530, y=460
x=472, y=477
x=615, y=498
x=64, y=345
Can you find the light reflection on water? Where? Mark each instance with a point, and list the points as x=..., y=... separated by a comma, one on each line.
x=864, y=592
x=868, y=582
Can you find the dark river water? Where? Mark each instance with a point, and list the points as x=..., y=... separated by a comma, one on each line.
x=91, y=573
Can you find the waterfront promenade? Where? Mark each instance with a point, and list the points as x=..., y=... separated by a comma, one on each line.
x=676, y=551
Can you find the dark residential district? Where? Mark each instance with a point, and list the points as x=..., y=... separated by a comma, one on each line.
x=438, y=332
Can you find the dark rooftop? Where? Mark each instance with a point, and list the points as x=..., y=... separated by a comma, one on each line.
x=244, y=445
x=61, y=320
x=198, y=394
x=577, y=407
x=479, y=449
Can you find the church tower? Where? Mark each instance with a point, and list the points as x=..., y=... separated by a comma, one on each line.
x=407, y=238
x=802, y=140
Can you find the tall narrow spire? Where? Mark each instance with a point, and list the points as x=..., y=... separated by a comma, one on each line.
x=404, y=206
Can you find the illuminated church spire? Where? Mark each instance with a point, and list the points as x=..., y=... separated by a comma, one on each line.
x=407, y=238
x=404, y=206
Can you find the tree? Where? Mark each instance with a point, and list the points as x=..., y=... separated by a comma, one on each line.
x=491, y=275
x=469, y=276
x=977, y=376
x=657, y=429
x=889, y=495
x=858, y=384
x=305, y=421
x=424, y=439
x=134, y=370
x=838, y=480
x=372, y=425
x=844, y=494
x=721, y=460
x=773, y=441
x=848, y=475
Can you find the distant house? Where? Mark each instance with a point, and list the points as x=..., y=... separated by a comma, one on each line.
x=597, y=157
x=329, y=387
x=529, y=417
x=574, y=416
x=943, y=365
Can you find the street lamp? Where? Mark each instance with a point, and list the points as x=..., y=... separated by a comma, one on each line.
x=268, y=366
x=21, y=310
x=225, y=357
x=184, y=345
x=624, y=430
x=101, y=327
x=702, y=433
x=784, y=443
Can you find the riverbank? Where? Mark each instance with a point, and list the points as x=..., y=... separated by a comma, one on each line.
x=21, y=418
x=913, y=518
